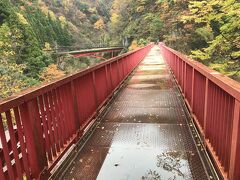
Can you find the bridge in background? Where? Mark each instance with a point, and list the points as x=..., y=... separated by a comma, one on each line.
x=126, y=116
x=93, y=52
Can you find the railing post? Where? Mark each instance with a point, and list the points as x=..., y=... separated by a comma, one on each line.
x=127, y=65
x=110, y=72
x=123, y=71
x=118, y=70
x=193, y=78
x=95, y=90
x=235, y=139
x=75, y=108
x=205, y=106
x=106, y=76
x=182, y=79
x=34, y=138
x=178, y=70
x=185, y=78
x=205, y=111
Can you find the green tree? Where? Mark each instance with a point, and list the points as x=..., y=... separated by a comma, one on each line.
x=12, y=79
x=220, y=26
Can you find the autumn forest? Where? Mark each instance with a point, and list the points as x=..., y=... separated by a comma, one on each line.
x=32, y=31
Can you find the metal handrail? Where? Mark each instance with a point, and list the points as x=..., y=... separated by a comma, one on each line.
x=214, y=101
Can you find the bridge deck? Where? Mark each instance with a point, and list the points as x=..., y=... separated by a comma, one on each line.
x=145, y=134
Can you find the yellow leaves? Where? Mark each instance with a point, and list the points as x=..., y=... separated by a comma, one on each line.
x=52, y=15
x=67, y=4
x=206, y=11
x=236, y=54
x=237, y=42
x=47, y=46
x=116, y=4
x=165, y=5
x=133, y=46
x=93, y=10
x=185, y=18
x=5, y=31
x=200, y=55
x=43, y=7
x=10, y=78
x=225, y=15
x=114, y=18
x=194, y=10
x=99, y=24
x=119, y=5
x=220, y=67
x=63, y=21
x=115, y=21
x=24, y=177
x=140, y=9
x=6, y=41
x=22, y=19
x=137, y=44
x=142, y=3
x=197, y=4
x=51, y=72
x=7, y=53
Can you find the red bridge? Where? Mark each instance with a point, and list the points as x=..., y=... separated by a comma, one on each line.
x=94, y=52
x=147, y=114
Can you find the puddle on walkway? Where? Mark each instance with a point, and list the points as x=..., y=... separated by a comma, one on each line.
x=144, y=164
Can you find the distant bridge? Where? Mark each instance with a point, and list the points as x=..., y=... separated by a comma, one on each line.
x=94, y=52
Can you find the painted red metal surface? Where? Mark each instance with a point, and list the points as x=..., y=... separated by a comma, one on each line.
x=214, y=103
x=93, y=53
x=38, y=126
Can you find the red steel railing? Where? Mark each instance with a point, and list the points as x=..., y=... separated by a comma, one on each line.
x=214, y=101
x=38, y=127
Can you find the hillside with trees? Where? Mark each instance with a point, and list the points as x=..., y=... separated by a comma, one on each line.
x=32, y=30
x=208, y=31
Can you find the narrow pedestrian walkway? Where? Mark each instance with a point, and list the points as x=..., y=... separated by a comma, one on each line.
x=145, y=133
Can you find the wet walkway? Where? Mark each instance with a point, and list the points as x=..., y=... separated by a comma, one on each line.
x=145, y=133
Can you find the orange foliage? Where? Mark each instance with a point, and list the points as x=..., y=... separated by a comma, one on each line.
x=51, y=72
x=133, y=46
x=99, y=24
